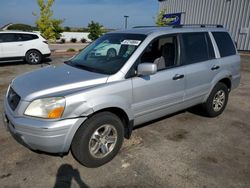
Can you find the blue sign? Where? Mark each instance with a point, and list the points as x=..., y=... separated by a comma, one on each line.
x=172, y=19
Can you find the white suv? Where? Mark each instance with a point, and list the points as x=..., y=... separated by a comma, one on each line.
x=28, y=46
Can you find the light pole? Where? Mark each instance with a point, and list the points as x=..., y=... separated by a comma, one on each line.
x=126, y=21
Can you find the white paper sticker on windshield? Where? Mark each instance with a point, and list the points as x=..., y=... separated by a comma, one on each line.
x=131, y=42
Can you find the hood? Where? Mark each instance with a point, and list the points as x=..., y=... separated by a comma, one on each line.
x=55, y=80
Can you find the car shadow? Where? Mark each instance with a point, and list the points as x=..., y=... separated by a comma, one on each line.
x=65, y=174
x=46, y=61
x=196, y=110
x=12, y=63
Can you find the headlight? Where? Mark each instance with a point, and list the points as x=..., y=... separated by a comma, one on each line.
x=49, y=108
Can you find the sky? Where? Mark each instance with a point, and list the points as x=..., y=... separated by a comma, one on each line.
x=78, y=13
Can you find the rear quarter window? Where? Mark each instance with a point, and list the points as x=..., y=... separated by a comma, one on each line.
x=27, y=37
x=225, y=44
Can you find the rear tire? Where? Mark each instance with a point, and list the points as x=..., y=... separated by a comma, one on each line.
x=217, y=100
x=33, y=57
x=98, y=140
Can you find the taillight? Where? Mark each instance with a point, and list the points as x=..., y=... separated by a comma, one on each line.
x=46, y=42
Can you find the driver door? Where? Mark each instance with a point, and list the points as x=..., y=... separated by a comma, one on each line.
x=160, y=94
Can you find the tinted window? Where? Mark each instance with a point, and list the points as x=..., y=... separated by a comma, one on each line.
x=210, y=47
x=7, y=37
x=224, y=43
x=26, y=37
x=195, y=48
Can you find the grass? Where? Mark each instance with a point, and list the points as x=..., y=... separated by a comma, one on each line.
x=71, y=50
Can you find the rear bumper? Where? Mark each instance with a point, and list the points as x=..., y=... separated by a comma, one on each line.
x=42, y=135
x=46, y=55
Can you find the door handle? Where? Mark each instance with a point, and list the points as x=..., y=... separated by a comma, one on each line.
x=20, y=44
x=215, y=67
x=178, y=76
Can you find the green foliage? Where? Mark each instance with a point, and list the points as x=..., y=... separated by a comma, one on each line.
x=22, y=27
x=95, y=30
x=57, y=27
x=159, y=20
x=78, y=29
x=73, y=40
x=50, y=28
x=63, y=41
x=67, y=29
x=83, y=40
x=71, y=50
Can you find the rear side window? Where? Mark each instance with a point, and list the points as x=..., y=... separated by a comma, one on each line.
x=196, y=47
x=224, y=43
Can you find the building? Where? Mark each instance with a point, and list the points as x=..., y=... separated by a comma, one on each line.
x=232, y=14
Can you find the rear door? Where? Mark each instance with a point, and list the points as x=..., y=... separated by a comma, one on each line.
x=1, y=46
x=12, y=46
x=201, y=66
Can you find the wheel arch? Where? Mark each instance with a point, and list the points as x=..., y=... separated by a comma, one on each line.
x=123, y=116
x=34, y=50
x=227, y=81
x=223, y=77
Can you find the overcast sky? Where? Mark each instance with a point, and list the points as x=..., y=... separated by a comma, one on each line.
x=79, y=13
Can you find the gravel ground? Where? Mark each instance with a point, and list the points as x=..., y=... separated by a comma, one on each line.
x=182, y=150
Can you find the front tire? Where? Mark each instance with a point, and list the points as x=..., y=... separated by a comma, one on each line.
x=111, y=53
x=33, y=57
x=217, y=100
x=98, y=140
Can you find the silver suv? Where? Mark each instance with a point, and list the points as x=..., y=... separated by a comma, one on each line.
x=91, y=102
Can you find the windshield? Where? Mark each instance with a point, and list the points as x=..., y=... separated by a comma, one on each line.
x=107, y=54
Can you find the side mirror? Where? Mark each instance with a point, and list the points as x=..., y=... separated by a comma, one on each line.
x=146, y=69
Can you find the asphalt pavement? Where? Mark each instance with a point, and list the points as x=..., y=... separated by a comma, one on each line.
x=181, y=150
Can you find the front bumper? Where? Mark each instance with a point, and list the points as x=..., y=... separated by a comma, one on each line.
x=43, y=135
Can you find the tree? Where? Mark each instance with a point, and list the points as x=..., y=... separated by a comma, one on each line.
x=95, y=30
x=56, y=23
x=67, y=29
x=50, y=28
x=21, y=27
x=160, y=21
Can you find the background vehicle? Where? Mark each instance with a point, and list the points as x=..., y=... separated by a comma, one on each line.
x=28, y=46
x=91, y=103
x=105, y=49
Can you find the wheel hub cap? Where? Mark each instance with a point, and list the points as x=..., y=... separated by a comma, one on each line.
x=34, y=58
x=219, y=100
x=103, y=141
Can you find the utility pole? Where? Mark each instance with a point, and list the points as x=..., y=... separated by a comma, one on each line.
x=126, y=21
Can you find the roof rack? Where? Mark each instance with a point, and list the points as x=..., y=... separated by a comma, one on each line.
x=198, y=25
x=183, y=25
x=147, y=26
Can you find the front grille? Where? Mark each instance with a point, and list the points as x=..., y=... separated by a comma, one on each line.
x=13, y=99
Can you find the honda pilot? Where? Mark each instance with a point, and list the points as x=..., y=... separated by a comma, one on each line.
x=89, y=104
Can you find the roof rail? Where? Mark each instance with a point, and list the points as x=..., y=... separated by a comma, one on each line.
x=146, y=26
x=182, y=25
x=197, y=25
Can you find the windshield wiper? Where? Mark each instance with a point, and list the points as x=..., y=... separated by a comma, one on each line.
x=91, y=69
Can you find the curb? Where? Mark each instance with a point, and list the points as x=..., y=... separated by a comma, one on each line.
x=63, y=53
